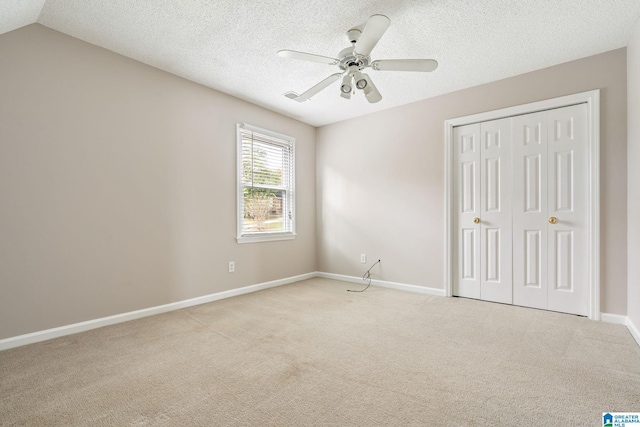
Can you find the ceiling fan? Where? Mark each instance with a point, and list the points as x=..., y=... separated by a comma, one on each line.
x=354, y=59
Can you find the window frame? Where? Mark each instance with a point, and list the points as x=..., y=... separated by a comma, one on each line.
x=263, y=236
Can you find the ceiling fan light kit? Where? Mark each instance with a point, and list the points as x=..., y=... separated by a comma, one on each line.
x=346, y=88
x=361, y=82
x=370, y=90
x=354, y=59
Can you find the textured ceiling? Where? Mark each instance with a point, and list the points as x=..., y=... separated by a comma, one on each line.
x=231, y=45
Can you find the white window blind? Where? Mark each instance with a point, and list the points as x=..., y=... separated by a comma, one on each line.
x=266, y=176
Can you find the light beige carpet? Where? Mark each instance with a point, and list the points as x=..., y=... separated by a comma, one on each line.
x=312, y=354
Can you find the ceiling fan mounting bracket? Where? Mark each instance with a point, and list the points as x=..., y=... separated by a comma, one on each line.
x=353, y=35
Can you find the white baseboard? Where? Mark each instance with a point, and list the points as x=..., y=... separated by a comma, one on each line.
x=635, y=333
x=618, y=319
x=384, y=284
x=622, y=320
x=48, y=334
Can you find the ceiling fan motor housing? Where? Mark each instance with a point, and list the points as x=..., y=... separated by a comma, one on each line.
x=349, y=59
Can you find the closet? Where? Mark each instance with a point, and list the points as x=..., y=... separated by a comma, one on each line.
x=520, y=210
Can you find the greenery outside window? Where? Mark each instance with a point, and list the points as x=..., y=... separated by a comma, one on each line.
x=266, y=177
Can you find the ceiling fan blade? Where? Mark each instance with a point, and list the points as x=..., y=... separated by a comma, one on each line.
x=373, y=31
x=307, y=57
x=315, y=89
x=405, y=65
x=371, y=92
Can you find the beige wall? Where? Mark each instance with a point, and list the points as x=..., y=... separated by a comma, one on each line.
x=380, y=178
x=117, y=186
x=633, y=173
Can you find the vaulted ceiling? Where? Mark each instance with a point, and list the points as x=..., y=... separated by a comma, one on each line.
x=231, y=45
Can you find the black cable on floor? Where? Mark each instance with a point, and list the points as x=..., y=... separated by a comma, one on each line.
x=366, y=276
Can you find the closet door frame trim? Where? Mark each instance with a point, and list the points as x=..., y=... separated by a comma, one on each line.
x=592, y=99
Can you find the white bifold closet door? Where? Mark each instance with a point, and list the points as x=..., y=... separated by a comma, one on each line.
x=550, y=210
x=521, y=210
x=483, y=207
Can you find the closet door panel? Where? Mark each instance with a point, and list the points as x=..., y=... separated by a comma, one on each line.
x=495, y=211
x=568, y=203
x=466, y=260
x=530, y=169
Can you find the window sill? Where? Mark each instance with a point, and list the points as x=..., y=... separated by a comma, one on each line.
x=266, y=237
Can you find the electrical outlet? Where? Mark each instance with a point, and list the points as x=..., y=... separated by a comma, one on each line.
x=232, y=267
x=363, y=258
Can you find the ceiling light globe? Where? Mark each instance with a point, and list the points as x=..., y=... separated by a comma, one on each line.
x=345, y=88
x=361, y=84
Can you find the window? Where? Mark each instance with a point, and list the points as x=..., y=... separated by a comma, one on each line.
x=266, y=176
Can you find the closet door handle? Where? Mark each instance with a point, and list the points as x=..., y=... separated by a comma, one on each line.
x=476, y=220
x=553, y=220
